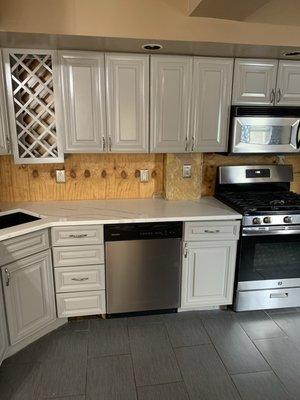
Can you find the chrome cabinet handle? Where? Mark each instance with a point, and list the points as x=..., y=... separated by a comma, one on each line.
x=103, y=143
x=185, y=250
x=186, y=144
x=109, y=143
x=272, y=96
x=279, y=95
x=8, y=143
x=79, y=279
x=7, y=273
x=209, y=231
x=78, y=236
x=193, y=143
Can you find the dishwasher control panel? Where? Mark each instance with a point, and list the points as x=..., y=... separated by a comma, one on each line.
x=139, y=231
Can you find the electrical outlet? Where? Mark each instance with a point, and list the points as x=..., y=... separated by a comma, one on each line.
x=186, y=171
x=144, y=175
x=60, y=176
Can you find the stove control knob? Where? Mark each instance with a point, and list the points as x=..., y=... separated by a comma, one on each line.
x=267, y=220
x=256, y=221
x=287, y=220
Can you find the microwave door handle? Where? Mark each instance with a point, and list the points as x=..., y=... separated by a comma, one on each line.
x=297, y=136
x=295, y=139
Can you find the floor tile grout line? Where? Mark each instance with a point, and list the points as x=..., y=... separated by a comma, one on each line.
x=222, y=362
x=176, y=359
x=131, y=359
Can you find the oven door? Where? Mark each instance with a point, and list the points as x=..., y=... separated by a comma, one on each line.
x=257, y=134
x=269, y=258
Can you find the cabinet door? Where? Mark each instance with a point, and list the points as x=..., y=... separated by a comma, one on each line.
x=4, y=129
x=171, y=86
x=288, y=83
x=254, y=81
x=3, y=328
x=208, y=274
x=83, y=90
x=127, y=90
x=29, y=295
x=212, y=83
x=34, y=105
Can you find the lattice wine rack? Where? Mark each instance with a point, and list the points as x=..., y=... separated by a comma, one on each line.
x=33, y=103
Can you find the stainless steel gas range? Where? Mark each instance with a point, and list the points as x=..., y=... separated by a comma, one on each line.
x=268, y=261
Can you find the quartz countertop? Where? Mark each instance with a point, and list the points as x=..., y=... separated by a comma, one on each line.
x=60, y=213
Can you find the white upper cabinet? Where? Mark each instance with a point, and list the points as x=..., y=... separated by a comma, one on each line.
x=212, y=84
x=127, y=93
x=34, y=105
x=83, y=90
x=171, y=87
x=254, y=81
x=4, y=129
x=288, y=83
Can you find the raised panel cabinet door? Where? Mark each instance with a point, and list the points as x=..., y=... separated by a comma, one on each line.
x=288, y=83
x=208, y=274
x=171, y=88
x=127, y=93
x=4, y=128
x=29, y=295
x=254, y=81
x=212, y=84
x=3, y=328
x=83, y=90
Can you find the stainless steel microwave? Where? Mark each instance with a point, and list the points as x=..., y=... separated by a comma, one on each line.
x=264, y=130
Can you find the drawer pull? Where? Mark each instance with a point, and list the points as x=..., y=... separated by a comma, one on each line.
x=80, y=279
x=7, y=277
x=279, y=295
x=210, y=231
x=78, y=236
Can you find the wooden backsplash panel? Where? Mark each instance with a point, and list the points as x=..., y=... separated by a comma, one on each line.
x=111, y=176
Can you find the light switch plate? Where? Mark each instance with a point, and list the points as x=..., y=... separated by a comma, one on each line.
x=186, y=171
x=60, y=176
x=144, y=175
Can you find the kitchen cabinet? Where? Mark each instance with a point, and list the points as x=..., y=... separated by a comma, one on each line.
x=212, y=83
x=83, y=94
x=254, y=81
x=3, y=328
x=288, y=83
x=29, y=295
x=4, y=129
x=171, y=88
x=127, y=94
x=208, y=267
x=35, y=120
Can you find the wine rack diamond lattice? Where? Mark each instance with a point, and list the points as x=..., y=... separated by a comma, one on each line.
x=34, y=106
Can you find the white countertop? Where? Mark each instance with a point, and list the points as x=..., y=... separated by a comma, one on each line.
x=58, y=213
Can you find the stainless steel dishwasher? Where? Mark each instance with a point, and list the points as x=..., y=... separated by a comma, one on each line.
x=143, y=266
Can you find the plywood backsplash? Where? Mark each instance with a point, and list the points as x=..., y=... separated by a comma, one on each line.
x=115, y=176
x=89, y=176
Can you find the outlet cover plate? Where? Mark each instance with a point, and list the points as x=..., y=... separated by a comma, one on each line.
x=144, y=175
x=186, y=171
x=60, y=176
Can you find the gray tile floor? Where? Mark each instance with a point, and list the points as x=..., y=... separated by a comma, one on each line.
x=208, y=355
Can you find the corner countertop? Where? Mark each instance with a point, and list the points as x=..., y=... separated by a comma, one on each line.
x=60, y=213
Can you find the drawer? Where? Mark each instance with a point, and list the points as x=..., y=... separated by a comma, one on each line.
x=77, y=235
x=74, y=279
x=22, y=246
x=211, y=230
x=80, y=303
x=78, y=255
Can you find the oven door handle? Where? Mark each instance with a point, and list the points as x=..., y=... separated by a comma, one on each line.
x=267, y=232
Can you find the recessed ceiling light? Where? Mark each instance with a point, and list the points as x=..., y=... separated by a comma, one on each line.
x=152, y=46
x=292, y=53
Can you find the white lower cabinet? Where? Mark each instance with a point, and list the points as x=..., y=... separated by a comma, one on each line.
x=3, y=328
x=208, y=274
x=29, y=295
x=81, y=303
